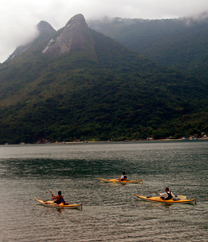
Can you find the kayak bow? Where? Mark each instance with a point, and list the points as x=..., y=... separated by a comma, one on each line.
x=170, y=201
x=55, y=205
x=121, y=182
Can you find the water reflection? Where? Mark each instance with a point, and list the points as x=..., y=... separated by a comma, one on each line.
x=46, y=168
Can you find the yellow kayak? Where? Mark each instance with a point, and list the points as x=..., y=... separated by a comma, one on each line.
x=121, y=182
x=179, y=199
x=55, y=205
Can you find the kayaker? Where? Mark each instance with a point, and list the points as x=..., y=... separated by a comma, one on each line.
x=58, y=199
x=167, y=195
x=123, y=177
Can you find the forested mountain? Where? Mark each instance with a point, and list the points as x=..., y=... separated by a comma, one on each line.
x=176, y=43
x=76, y=83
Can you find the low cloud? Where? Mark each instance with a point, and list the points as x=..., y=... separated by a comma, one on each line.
x=19, y=18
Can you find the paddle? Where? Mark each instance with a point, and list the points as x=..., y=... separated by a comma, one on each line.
x=50, y=192
x=182, y=197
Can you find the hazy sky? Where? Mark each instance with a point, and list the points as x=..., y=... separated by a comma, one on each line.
x=19, y=17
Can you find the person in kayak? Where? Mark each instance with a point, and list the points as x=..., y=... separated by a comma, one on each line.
x=123, y=177
x=58, y=199
x=167, y=195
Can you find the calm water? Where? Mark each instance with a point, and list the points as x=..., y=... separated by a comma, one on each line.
x=110, y=212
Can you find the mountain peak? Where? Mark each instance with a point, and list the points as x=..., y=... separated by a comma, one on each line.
x=74, y=36
x=77, y=19
x=45, y=27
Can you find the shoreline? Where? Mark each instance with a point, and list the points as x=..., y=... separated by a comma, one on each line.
x=111, y=141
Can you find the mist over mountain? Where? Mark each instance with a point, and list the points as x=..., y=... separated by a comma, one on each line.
x=77, y=84
x=44, y=30
x=176, y=43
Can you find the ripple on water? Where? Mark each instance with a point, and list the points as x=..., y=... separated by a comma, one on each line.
x=110, y=212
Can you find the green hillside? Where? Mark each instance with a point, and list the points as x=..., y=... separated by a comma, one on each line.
x=120, y=95
x=176, y=43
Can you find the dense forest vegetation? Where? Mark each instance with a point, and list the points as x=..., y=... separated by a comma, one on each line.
x=121, y=95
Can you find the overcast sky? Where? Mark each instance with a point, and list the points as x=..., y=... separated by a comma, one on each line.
x=19, y=17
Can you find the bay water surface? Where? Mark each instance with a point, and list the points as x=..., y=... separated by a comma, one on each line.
x=111, y=212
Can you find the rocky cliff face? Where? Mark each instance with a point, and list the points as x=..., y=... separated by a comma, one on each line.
x=74, y=36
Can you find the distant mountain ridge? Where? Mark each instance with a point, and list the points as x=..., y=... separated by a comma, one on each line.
x=176, y=43
x=86, y=86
